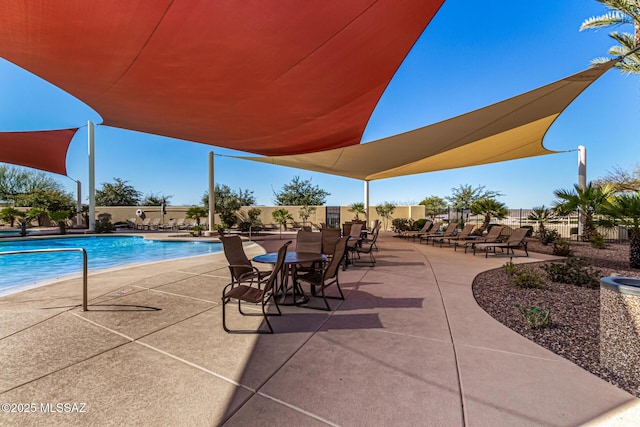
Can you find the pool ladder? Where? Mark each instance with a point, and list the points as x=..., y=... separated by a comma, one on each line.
x=84, y=266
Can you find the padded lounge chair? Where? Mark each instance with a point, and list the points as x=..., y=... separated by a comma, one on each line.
x=255, y=295
x=323, y=278
x=448, y=232
x=462, y=235
x=493, y=236
x=516, y=240
x=417, y=233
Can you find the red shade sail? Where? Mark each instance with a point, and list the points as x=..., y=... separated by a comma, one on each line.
x=46, y=150
x=271, y=77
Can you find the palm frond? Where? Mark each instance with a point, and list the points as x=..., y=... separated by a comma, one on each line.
x=625, y=39
x=609, y=19
x=628, y=7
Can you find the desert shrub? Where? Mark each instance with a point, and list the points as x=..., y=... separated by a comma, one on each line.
x=402, y=224
x=561, y=247
x=419, y=223
x=574, y=271
x=523, y=277
x=535, y=317
x=549, y=236
x=104, y=224
x=597, y=241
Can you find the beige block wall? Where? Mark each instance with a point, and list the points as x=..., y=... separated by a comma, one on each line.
x=122, y=213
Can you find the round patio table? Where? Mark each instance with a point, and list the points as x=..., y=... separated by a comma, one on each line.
x=291, y=295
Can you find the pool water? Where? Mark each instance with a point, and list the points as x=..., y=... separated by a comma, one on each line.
x=17, y=271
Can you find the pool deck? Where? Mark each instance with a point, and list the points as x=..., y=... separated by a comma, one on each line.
x=408, y=346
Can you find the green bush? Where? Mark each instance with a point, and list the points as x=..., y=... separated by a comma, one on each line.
x=597, y=241
x=561, y=247
x=402, y=224
x=535, y=317
x=530, y=228
x=549, y=236
x=419, y=223
x=574, y=271
x=523, y=277
x=104, y=224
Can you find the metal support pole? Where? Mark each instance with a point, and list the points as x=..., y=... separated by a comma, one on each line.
x=366, y=203
x=92, y=177
x=79, y=203
x=212, y=199
x=582, y=183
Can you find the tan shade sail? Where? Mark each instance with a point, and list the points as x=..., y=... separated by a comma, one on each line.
x=267, y=77
x=510, y=129
x=45, y=150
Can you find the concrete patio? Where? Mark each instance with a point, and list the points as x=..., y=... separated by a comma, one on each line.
x=408, y=346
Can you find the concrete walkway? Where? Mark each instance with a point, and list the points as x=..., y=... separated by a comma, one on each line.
x=408, y=346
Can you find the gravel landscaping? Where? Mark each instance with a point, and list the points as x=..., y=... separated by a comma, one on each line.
x=575, y=311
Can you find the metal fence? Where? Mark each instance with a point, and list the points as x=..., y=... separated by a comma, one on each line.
x=567, y=226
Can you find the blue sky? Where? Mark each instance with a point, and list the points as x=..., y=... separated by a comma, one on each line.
x=472, y=54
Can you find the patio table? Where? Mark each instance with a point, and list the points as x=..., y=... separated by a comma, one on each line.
x=291, y=295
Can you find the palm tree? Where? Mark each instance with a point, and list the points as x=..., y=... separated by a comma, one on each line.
x=281, y=216
x=588, y=200
x=357, y=208
x=541, y=215
x=621, y=12
x=625, y=210
x=489, y=208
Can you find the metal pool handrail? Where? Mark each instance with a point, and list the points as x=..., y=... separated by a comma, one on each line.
x=84, y=266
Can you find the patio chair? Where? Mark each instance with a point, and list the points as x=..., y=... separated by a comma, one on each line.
x=308, y=241
x=364, y=248
x=448, y=232
x=428, y=225
x=374, y=235
x=462, y=235
x=240, y=267
x=329, y=238
x=247, y=293
x=325, y=277
x=515, y=240
x=493, y=236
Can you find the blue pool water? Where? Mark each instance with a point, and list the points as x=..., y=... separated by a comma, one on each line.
x=102, y=252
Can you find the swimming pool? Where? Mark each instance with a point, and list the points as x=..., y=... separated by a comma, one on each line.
x=17, y=271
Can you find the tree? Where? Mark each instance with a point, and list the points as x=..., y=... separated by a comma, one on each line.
x=464, y=196
x=624, y=210
x=10, y=215
x=489, y=208
x=357, y=208
x=19, y=184
x=49, y=199
x=37, y=214
x=197, y=212
x=385, y=210
x=433, y=205
x=228, y=203
x=621, y=180
x=117, y=194
x=541, y=215
x=281, y=216
x=621, y=12
x=153, y=199
x=300, y=193
x=305, y=212
x=588, y=200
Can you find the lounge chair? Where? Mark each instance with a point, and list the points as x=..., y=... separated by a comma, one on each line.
x=462, y=235
x=435, y=231
x=448, y=232
x=493, y=236
x=255, y=295
x=516, y=240
x=428, y=225
x=323, y=278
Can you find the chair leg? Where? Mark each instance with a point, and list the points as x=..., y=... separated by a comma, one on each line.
x=224, y=323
